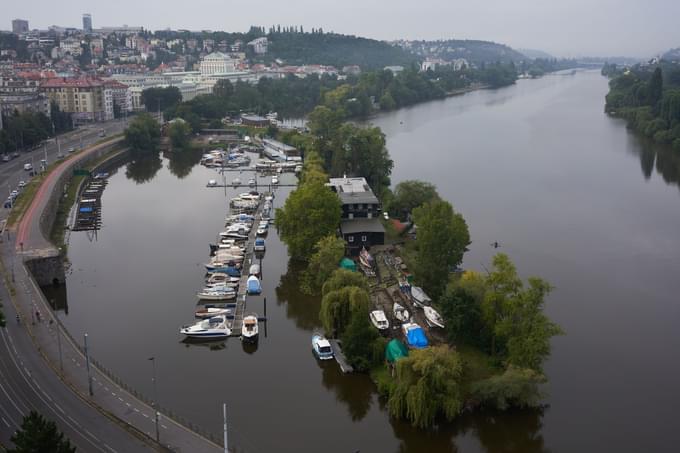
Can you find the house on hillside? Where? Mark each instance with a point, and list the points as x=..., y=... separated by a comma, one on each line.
x=360, y=223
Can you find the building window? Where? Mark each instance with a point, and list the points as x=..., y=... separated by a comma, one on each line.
x=350, y=238
x=363, y=238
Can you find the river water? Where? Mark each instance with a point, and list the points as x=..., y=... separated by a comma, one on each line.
x=569, y=194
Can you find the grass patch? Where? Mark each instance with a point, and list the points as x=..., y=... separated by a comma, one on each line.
x=380, y=374
x=65, y=203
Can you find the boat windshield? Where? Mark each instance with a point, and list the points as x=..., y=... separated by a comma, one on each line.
x=325, y=349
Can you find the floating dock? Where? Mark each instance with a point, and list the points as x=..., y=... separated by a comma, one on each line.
x=345, y=367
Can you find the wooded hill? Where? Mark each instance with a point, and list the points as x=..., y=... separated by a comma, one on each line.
x=474, y=51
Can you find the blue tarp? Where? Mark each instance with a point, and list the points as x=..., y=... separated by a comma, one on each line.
x=86, y=209
x=416, y=338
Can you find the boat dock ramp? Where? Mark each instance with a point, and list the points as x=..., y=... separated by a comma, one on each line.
x=88, y=210
x=345, y=367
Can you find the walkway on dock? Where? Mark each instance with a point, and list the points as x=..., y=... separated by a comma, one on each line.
x=345, y=367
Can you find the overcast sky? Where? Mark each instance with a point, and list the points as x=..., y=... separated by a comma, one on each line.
x=639, y=28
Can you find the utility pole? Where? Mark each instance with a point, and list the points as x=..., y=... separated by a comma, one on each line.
x=87, y=363
x=155, y=397
x=224, y=414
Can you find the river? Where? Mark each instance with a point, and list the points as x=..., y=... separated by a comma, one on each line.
x=569, y=194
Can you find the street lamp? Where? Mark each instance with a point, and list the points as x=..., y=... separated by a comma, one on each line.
x=155, y=396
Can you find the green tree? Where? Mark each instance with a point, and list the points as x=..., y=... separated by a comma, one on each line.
x=359, y=338
x=310, y=212
x=427, y=385
x=516, y=387
x=410, y=194
x=342, y=278
x=441, y=240
x=179, y=132
x=39, y=435
x=339, y=306
x=143, y=134
x=3, y=321
x=655, y=87
x=463, y=317
x=521, y=331
x=324, y=261
x=163, y=98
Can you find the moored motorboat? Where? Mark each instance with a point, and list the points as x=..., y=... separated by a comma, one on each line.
x=215, y=327
x=321, y=347
x=275, y=180
x=216, y=294
x=379, y=320
x=236, y=182
x=252, y=182
x=433, y=317
x=212, y=183
x=254, y=270
x=420, y=299
x=259, y=245
x=401, y=313
x=209, y=312
x=253, y=285
x=250, y=328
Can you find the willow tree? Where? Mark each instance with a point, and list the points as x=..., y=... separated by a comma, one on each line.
x=342, y=278
x=427, y=385
x=328, y=253
x=339, y=306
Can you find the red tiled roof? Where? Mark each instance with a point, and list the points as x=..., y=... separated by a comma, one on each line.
x=63, y=82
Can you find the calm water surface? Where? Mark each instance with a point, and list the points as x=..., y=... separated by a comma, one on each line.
x=568, y=193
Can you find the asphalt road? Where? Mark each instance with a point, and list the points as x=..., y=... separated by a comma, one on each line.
x=13, y=171
x=26, y=384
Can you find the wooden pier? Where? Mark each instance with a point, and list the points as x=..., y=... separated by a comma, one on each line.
x=345, y=367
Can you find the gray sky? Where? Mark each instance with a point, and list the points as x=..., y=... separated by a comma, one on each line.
x=564, y=28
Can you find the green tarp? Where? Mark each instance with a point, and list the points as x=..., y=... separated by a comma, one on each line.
x=348, y=264
x=395, y=350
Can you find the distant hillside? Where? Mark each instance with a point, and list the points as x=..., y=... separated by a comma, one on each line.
x=474, y=51
x=534, y=53
x=672, y=55
x=297, y=48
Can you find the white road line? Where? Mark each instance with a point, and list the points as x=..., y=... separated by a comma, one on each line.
x=145, y=415
x=5, y=421
x=135, y=409
x=121, y=399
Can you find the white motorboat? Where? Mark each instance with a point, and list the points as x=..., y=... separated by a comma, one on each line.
x=249, y=196
x=215, y=327
x=321, y=347
x=212, y=183
x=379, y=320
x=401, y=313
x=216, y=294
x=219, y=277
x=275, y=180
x=252, y=182
x=249, y=328
x=433, y=317
x=254, y=270
x=262, y=231
x=420, y=299
x=236, y=182
x=209, y=312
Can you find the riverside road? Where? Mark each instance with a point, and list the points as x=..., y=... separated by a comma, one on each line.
x=111, y=419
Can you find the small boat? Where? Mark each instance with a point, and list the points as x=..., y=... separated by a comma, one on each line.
x=254, y=270
x=262, y=231
x=275, y=180
x=252, y=182
x=415, y=335
x=209, y=312
x=216, y=294
x=298, y=169
x=433, y=317
x=215, y=327
x=321, y=347
x=420, y=299
x=379, y=320
x=236, y=182
x=253, y=285
x=259, y=245
x=400, y=313
x=229, y=270
x=365, y=258
x=249, y=328
x=221, y=278
x=212, y=183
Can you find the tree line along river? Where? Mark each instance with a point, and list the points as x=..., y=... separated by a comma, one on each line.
x=568, y=193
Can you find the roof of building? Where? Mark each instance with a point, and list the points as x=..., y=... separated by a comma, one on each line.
x=253, y=118
x=277, y=144
x=63, y=82
x=353, y=190
x=361, y=225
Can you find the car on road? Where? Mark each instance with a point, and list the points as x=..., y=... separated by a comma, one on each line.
x=28, y=167
x=102, y=133
x=72, y=149
x=15, y=154
x=8, y=203
x=22, y=184
x=60, y=155
x=5, y=158
x=13, y=194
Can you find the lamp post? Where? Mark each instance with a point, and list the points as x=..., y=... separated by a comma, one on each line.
x=87, y=363
x=155, y=396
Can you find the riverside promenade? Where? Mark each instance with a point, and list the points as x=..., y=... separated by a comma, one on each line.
x=121, y=407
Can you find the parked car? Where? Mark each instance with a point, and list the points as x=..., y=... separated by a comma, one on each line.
x=15, y=154
x=22, y=184
x=13, y=194
x=60, y=155
x=28, y=167
x=71, y=149
x=5, y=158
